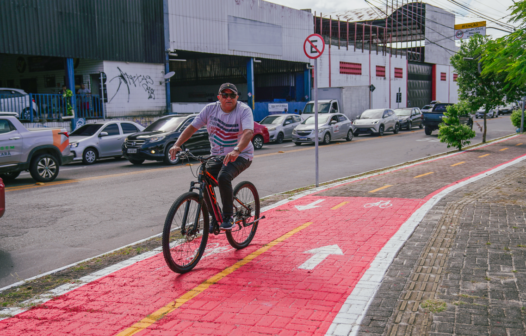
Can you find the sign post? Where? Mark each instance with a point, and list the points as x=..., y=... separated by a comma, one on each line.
x=313, y=47
x=522, y=115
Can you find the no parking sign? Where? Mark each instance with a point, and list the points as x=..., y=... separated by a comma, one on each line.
x=314, y=46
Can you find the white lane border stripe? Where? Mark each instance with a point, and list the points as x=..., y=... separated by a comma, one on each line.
x=348, y=319
x=61, y=290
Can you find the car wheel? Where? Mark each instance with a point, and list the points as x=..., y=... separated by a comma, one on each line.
x=409, y=126
x=44, y=168
x=136, y=162
x=326, y=139
x=428, y=131
x=381, y=130
x=297, y=143
x=167, y=157
x=89, y=156
x=280, y=138
x=26, y=114
x=349, y=136
x=10, y=175
x=257, y=142
x=396, y=129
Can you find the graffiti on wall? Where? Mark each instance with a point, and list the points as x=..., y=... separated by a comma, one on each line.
x=127, y=82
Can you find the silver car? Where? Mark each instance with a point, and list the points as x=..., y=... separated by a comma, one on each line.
x=94, y=141
x=280, y=126
x=18, y=101
x=377, y=121
x=330, y=127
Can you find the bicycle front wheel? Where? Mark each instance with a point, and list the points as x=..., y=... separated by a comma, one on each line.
x=185, y=233
x=246, y=210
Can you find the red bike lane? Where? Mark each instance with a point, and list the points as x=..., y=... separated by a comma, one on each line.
x=293, y=279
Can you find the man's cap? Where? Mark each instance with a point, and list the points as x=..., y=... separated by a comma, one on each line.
x=228, y=86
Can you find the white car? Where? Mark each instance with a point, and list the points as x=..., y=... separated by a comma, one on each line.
x=377, y=121
x=18, y=101
x=280, y=126
x=93, y=141
x=330, y=127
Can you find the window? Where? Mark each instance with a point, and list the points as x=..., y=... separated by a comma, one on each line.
x=288, y=121
x=335, y=118
x=297, y=119
x=455, y=76
x=399, y=73
x=390, y=113
x=86, y=130
x=347, y=68
x=342, y=118
x=112, y=129
x=443, y=76
x=334, y=107
x=129, y=128
x=386, y=114
x=380, y=71
x=5, y=126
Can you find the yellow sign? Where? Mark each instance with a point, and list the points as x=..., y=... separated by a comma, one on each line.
x=470, y=25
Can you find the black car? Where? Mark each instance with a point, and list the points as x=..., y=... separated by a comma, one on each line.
x=409, y=117
x=156, y=140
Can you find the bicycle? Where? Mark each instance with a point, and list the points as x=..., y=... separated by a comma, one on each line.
x=186, y=228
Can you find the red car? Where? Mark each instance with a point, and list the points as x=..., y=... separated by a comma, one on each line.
x=261, y=136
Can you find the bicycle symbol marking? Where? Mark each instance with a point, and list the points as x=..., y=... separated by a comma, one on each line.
x=380, y=204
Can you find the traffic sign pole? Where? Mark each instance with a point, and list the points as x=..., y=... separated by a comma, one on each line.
x=313, y=47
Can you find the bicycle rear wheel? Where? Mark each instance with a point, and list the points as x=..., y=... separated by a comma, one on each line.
x=246, y=210
x=185, y=233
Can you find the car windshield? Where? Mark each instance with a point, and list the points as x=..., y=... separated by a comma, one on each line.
x=322, y=108
x=272, y=120
x=321, y=120
x=86, y=130
x=440, y=108
x=402, y=112
x=165, y=124
x=372, y=114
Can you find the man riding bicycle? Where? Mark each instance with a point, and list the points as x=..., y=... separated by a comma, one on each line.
x=230, y=126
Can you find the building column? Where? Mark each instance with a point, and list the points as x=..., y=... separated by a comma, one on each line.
x=307, y=84
x=250, y=84
x=70, y=84
x=166, y=25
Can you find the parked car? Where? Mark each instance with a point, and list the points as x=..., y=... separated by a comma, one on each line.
x=409, y=117
x=261, y=136
x=99, y=140
x=2, y=198
x=18, y=101
x=39, y=150
x=280, y=126
x=491, y=113
x=434, y=118
x=506, y=108
x=330, y=127
x=377, y=121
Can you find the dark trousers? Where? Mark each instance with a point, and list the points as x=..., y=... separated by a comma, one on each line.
x=224, y=175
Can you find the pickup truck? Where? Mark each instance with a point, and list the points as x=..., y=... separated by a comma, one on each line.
x=39, y=150
x=349, y=100
x=434, y=118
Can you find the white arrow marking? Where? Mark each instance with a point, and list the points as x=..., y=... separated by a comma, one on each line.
x=319, y=255
x=309, y=206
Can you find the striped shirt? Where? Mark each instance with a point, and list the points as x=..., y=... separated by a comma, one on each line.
x=225, y=129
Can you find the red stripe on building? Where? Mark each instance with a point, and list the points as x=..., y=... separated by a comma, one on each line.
x=347, y=68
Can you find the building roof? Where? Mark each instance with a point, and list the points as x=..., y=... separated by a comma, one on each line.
x=360, y=14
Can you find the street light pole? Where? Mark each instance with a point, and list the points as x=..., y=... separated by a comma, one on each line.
x=522, y=115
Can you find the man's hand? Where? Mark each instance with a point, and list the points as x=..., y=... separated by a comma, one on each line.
x=231, y=157
x=173, y=151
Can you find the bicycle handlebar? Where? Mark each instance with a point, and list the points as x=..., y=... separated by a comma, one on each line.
x=189, y=154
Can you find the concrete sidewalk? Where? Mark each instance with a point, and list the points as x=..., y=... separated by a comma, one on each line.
x=364, y=256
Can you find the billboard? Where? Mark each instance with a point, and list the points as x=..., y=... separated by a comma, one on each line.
x=465, y=30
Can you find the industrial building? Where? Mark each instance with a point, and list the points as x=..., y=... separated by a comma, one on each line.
x=254, y=44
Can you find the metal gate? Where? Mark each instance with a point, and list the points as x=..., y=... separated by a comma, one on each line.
x=419, y=84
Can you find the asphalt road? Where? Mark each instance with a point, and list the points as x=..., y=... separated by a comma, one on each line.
x=93, y=209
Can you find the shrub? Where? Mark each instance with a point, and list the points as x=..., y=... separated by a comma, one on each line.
x=516, y=118
x=451, y=131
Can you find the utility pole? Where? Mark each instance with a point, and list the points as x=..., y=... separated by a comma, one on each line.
x=522, y=115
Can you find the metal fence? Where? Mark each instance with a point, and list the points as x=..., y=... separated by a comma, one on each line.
x=51, y=107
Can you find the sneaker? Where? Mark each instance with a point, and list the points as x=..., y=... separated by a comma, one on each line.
x=228, y=223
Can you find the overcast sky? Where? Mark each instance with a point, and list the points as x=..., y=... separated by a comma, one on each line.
x=495, y=9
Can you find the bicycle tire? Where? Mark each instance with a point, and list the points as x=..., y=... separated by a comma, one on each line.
x=241, y=236
x=183, y=242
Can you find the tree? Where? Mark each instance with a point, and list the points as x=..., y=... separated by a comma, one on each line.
x=476, y=88
x=451, y=131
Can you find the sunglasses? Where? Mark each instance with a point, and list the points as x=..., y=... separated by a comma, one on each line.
x=226, y=95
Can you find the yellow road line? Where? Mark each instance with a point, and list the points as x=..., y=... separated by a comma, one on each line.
x=458, y=164
x=23, y=187
x=483, y=155
x=339, y=205
x=160, y=313
x=381, y=188
x=423, y=175
x=518, y=144
x=503, y=149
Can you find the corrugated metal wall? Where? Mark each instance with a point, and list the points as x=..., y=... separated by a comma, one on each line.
x=119, y=30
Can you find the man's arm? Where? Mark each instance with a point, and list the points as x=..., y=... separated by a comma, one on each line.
x=187, y=133
x=246, y=137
